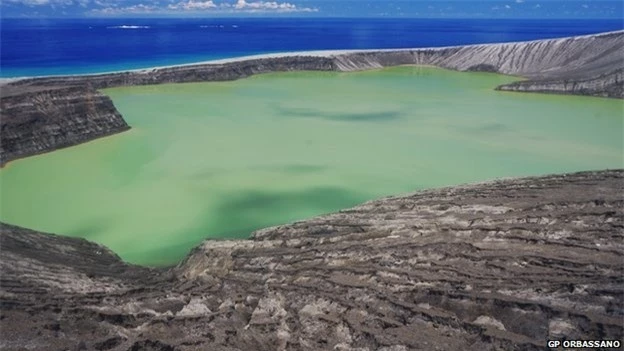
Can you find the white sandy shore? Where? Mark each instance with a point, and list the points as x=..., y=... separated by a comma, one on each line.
x=318, y=53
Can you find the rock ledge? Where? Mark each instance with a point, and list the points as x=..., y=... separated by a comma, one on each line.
x=506, y=264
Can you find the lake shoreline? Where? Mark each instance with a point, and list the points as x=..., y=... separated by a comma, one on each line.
x=590, y=65
x=406, y=109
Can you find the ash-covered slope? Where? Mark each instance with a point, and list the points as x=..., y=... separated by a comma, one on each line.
x=582, y=56
x=498, y=265
x=586, y=65
x=38, y=119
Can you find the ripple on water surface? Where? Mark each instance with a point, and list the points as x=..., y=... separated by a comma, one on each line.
x=220, y=159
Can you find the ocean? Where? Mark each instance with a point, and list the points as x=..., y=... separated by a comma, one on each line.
x=33, y=47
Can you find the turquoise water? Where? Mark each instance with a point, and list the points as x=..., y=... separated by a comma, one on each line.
x=220, y=159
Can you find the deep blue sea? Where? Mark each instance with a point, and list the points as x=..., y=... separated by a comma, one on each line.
x=69, y=46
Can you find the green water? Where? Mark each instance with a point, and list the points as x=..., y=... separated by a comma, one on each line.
x=215, y=160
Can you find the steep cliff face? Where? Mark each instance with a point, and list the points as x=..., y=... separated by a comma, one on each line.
x=607, y=85
x=498, y=265
x=34, y=120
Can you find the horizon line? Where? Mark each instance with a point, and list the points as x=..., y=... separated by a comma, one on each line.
x=313, y=17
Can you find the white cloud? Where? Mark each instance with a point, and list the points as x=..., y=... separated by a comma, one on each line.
x=41, y=2
x=496, y=8
x=261, y=6
x=519, y=1
x=134, y=9
x=104, y=4
x=193, y=5
x=585, y=6
x=537, y=6
x=30, y=2
x=176, y=6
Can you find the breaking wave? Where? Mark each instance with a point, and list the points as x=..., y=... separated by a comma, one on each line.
x=128, y=27
x=217, y=26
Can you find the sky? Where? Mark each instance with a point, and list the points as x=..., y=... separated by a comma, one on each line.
x=600, y=9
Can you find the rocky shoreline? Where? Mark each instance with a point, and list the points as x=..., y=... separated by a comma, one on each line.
x=591, y=65
x=507, y=264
